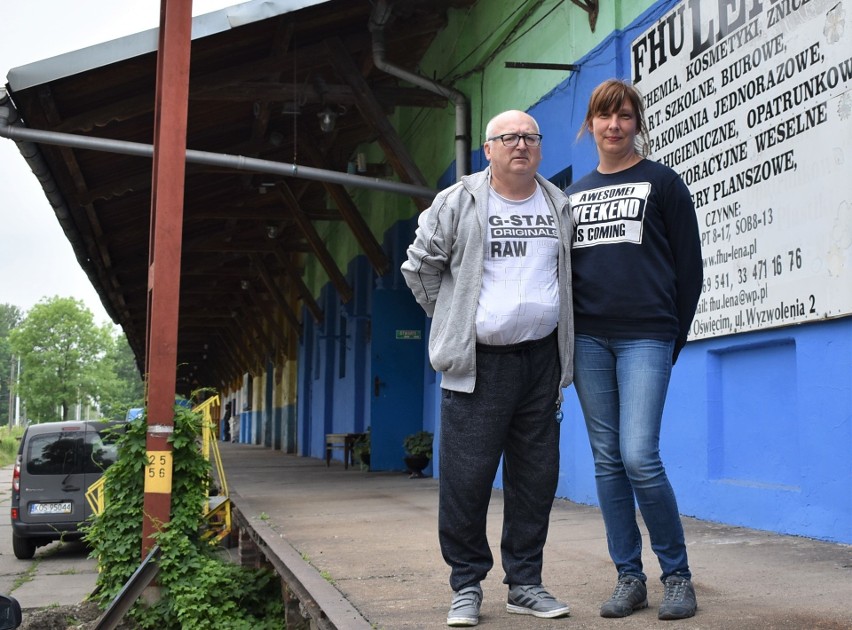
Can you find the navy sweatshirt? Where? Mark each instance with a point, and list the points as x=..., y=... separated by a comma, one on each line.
x=636, y=254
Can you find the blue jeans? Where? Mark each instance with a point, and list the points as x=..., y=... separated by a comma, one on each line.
x=622, y=384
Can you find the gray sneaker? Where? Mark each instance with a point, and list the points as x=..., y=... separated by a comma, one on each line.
x=464, y=611
x=630, y=594
x=536, y=601
x=678, y=599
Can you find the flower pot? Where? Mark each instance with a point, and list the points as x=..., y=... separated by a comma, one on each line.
x=364, y=459
x=415, y=465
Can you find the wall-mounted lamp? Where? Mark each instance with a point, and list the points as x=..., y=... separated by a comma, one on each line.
x=244, y=285
x=272, y=231
x=327, y=120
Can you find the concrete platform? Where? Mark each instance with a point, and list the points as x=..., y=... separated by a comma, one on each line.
x=373, y=537
x=60, y=574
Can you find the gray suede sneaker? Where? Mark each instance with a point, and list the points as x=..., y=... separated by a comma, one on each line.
x=678, y=599
x=536, y=601
x=630, y=594
x=464, y=611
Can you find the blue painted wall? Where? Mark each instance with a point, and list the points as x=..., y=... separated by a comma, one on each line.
x=323, y=375
x=757, y=429
x=334, y=366
x=305, y=384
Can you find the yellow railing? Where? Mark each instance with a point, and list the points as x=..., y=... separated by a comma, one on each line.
x=209, y=443
x=217, y=510
x=95, y=496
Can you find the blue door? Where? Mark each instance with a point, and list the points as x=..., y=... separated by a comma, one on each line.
x=398, y=343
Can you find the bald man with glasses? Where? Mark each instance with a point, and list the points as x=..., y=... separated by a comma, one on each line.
x=490, y=264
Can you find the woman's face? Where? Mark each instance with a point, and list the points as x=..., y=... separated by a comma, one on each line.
x=615, y=132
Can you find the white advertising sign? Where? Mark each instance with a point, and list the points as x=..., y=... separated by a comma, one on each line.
x=750, y=102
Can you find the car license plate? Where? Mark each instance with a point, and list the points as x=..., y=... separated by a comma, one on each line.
x=62, y=507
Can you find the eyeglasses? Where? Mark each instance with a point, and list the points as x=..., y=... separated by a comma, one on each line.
x=512, y=139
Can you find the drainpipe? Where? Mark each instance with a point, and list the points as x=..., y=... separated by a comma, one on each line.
x=378, y=20
x=11, y=128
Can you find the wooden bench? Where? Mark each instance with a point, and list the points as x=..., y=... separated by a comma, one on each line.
x=346, y=441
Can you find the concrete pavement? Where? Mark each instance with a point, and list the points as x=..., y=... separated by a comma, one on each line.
x=374, y=537
x=60, y=573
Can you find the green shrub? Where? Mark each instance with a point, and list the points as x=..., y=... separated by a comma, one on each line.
x=10, y=439
x=199, y=590
x=419, y=443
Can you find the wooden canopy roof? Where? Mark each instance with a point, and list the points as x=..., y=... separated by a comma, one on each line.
x=257, y=89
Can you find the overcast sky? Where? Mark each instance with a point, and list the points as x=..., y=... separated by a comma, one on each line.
x=36, y=259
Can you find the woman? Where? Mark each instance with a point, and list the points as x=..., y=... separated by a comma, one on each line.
x=637, y=274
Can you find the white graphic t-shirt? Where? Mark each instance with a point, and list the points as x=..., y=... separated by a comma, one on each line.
x=519, y=299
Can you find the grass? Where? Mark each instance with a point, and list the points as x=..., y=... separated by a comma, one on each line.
x=26, y=576
x=9, y=441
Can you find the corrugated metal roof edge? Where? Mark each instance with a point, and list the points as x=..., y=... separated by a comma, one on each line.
x=71, y=63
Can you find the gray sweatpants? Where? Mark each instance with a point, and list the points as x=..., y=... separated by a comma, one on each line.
x=511, y=413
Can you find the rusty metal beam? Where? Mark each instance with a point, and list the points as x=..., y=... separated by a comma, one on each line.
x=168, y=175
x=234, y=344
x=295, y=278
x=316, y=243
x=395, y=150
x=275, y=291
x=349, y=211
x=258, y=339
x=590, y=7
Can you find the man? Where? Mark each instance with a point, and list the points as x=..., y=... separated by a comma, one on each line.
x=490, y=264
x=226, y=423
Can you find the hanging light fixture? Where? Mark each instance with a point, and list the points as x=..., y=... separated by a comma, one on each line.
x=328, y=118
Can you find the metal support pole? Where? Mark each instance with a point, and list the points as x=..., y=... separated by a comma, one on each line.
x=167, y=190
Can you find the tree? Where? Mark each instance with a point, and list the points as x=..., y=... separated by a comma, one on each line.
x=125, y=387
x=61, y=351
x=10, y=316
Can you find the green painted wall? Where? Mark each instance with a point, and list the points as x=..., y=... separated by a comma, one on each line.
x=469, y=55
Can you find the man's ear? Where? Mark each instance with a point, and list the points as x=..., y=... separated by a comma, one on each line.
x=486, y=146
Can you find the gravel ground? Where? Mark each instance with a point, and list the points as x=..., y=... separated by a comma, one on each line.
x=77, y=617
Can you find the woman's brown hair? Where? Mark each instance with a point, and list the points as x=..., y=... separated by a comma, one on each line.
x=607, y=98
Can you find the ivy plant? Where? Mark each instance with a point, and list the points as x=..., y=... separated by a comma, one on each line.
x=198, y=589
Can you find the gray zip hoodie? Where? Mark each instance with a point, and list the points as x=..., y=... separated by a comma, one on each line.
x=444, y=272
